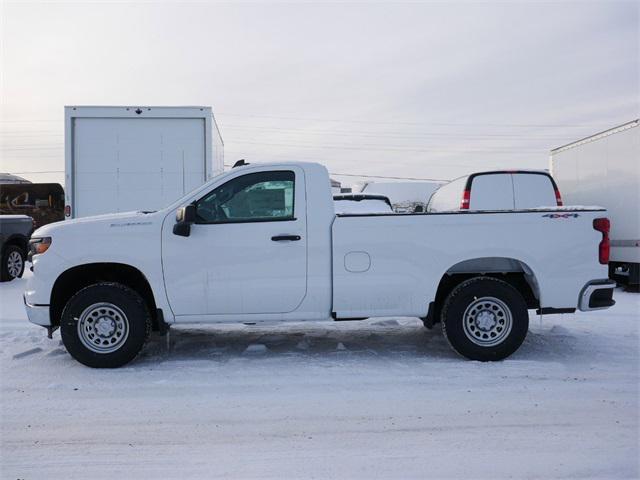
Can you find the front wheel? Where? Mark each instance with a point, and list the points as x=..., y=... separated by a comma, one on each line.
x=485, y=319
x=105, y=325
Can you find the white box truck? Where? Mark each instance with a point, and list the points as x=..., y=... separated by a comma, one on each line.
x=136, y=158
x=604, y=169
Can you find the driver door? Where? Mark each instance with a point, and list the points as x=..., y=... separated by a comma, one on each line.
x=247, y=251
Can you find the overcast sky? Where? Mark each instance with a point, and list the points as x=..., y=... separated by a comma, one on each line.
x=426, y=90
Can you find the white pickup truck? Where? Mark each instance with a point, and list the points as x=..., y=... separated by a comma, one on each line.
x=262, y=243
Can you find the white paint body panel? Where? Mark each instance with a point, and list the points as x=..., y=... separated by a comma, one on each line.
x=353, y=265
x=130, y=238
x=118, y=160
x=411, y=253
x=605, y=170
x=237, y=268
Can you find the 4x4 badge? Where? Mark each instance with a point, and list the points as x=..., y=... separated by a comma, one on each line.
x=561, y=215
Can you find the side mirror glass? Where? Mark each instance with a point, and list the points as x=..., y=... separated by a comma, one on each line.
x=185, y=217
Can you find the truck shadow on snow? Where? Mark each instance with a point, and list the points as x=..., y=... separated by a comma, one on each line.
x=373, y=338
x=377, y=337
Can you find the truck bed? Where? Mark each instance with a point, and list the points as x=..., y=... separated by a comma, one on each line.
x=391, y=263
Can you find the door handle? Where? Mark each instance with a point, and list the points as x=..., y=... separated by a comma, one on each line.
x=281, y=238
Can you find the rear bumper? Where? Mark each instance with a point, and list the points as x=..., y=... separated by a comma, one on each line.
x=597, y=295
x=38, y=314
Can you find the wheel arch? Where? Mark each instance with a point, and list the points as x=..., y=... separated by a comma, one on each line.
x=511, y=270
x=75, y=278
x=18, y=241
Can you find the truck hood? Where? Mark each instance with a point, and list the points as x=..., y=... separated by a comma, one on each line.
x=99, y=222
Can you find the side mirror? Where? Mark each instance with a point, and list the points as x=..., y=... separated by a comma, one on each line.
x=185, y=217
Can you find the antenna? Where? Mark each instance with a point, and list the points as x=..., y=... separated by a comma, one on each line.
x=240, y=163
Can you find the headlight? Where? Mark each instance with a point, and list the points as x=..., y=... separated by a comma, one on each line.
x=39, y=245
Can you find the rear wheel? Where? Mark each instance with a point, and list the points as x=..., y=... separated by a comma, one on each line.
x=105, y=325
x=12, y=263
x=485, y=319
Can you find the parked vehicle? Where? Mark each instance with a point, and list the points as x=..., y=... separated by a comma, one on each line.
x=262, y=243
x=15, y=231
x=9, y=178
x=361, y=203
x=497, y=190
x=137, y=158
x=405, y=197
x=43, y=202
x=604, y=169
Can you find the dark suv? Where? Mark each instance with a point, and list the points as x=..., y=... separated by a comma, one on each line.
x=15, y=231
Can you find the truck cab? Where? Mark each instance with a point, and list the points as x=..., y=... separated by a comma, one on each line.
x=265, y=220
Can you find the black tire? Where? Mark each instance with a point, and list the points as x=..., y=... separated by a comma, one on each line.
x=495, y=312
x=117, y=308
x=10, y=255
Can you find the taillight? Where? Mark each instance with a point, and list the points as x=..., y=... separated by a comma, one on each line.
x=603, y=225
x=466, y=199
x=558, y=197
x=67, y=210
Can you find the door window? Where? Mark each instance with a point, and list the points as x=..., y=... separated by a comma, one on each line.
x=255, y=197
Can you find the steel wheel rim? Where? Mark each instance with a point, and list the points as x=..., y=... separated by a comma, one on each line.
x=14, y=264
x=487, y=321
x=103, y=327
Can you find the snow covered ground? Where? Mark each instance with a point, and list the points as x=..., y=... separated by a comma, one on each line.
x=373, y=399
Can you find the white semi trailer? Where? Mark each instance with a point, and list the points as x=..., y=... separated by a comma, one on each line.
x=136, y=158
x=604, y=169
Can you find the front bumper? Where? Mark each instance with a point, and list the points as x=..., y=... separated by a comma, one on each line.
x=38, y=314
x=597, y=295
